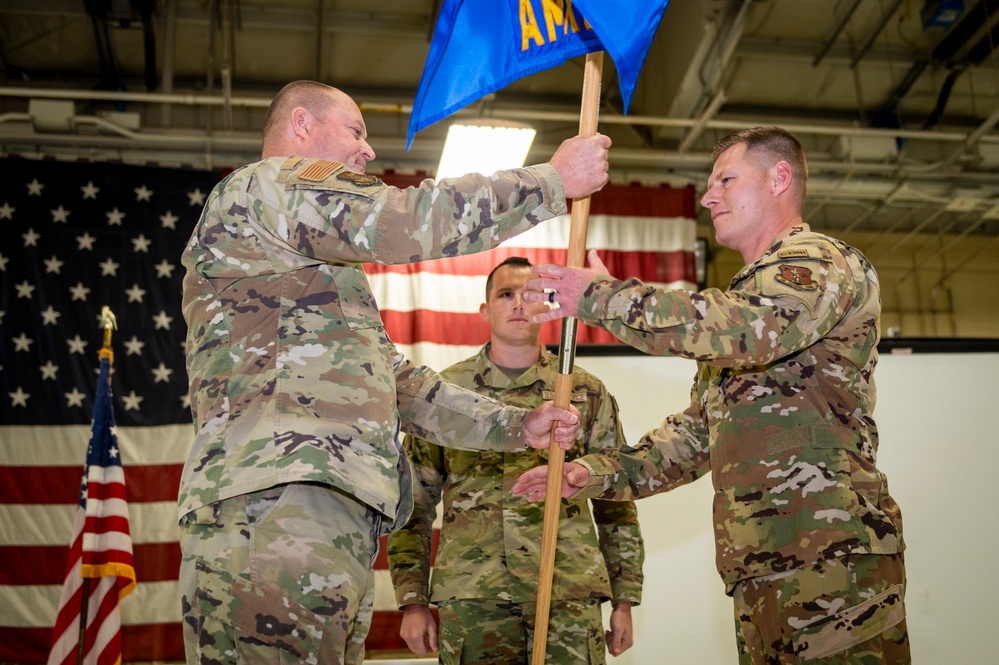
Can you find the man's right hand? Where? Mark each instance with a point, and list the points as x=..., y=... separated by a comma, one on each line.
x=582, y=164
x=419, y=629
x=533, y=484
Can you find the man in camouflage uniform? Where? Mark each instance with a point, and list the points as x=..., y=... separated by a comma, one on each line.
x=809, y=541
x=486, y=572
x=299, y=396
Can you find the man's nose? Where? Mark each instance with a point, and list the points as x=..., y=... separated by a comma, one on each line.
x=709, y=199
x=367, y=151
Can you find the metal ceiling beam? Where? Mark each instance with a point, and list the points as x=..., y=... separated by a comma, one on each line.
x=194, y=99
x=267, y=17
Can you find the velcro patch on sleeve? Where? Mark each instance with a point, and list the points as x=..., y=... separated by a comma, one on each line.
x=360, y=179
x=319, y=170
x=799, y=253
x=798, y=277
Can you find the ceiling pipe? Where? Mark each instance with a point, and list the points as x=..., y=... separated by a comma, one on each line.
x=971, y=140
x=636, y=164
x=698, y=128
x=513, y=114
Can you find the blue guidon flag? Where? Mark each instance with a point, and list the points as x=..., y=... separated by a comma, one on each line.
x=480, y=46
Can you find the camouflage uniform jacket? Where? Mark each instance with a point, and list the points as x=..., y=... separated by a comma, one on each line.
x=490, y=540
x=781, y=407
x=293, y=377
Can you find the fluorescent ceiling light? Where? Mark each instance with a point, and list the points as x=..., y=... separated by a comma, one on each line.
x=484, y=146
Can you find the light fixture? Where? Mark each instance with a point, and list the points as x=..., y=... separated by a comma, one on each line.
x=484, y=146
x=52, y=115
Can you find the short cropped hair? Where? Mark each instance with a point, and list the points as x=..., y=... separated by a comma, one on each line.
x=316, y=98
x=771, y=144
x=514, y=262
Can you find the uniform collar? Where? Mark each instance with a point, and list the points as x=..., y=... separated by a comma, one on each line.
x=494, y=377
x=798, y=229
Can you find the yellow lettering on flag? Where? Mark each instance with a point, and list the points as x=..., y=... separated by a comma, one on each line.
x=529, y=30
x=554, y=11
x=573, y=23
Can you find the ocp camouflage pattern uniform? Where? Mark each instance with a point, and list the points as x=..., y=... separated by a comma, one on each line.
x=294, y=379
x=780, y=414
x=490, y=539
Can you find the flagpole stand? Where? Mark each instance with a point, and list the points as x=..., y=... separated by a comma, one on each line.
x=592, y=74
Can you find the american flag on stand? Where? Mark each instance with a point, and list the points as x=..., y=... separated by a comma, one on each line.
x=75, y=236
x=99, y=571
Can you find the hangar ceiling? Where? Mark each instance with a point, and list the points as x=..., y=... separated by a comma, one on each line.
x=896, y=101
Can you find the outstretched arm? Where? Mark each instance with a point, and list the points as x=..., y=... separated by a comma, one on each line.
x=563, y=285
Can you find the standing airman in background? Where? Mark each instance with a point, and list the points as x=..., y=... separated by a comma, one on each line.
x=485, y=577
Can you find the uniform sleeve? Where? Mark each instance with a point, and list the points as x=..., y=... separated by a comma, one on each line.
x=452, y=416
x=617, y=521
x=674, y=454
x=319, y=210
x=410, y=548
x=790, y=300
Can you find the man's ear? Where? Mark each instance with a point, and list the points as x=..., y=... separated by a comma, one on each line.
x=301, y=120
x=783, y=178
x=484, y=312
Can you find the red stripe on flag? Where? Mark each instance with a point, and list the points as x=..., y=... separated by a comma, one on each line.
x=50, y=485
x=103, y=491
x=110, y=524
x=147, y=642
x=39, y=565
x=384, y=633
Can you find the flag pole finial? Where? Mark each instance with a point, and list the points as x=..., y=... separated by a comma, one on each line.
x=109, y=322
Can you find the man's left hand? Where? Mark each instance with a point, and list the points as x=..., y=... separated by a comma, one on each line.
x=621, y=635
x=541, y=419
x=562, y=285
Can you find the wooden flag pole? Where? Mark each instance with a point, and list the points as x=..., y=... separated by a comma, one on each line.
x=593, y=70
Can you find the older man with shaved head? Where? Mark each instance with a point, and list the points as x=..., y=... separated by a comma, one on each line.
x=298, y=395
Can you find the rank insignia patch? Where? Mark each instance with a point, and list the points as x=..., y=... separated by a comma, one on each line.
x=362, y=179
x=796, y=276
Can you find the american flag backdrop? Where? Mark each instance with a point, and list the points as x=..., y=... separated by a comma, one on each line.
x=75, y=236
x=432, y=308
